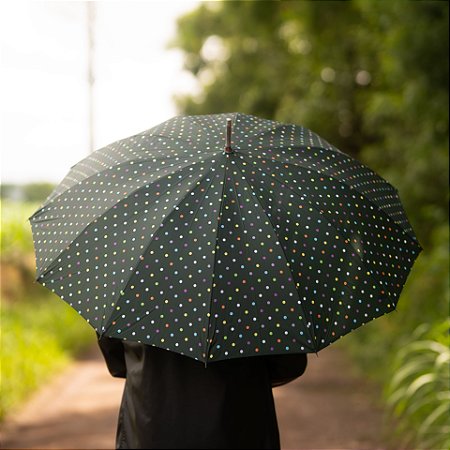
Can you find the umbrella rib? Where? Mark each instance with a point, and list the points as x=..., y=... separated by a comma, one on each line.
x=45, y=204
x=193, y=218
x=202, y=177
x=191, y=120
x=219, y=217
x=333, y=151
x=276, y=126
x=346, y=288
x=237, y=122
x=313, y=335
x=149, y=132
x=102, y=152
x=219, y=126
x=144, y=133
x=168, y=216
x=54, y=263
x=280, y=125
x=405, y=232
x=393, y=223
x=337, y=230
x=109, y=207
x=312, y=206
x=175, y=139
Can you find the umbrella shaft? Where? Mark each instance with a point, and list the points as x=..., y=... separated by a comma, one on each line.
x=228, y=148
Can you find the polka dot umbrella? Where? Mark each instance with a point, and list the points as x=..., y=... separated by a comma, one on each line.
x=226, y=235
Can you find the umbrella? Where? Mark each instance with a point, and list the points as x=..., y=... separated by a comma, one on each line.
x=225, y=235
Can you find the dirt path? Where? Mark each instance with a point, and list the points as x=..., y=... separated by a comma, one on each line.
x=328, y=408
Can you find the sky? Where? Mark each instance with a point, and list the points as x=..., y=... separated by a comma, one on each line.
x=44, y=90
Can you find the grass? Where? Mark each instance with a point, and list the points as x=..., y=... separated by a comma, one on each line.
x=39, y=338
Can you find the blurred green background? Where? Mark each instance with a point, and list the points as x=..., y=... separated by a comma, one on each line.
x=371, y=77
x=40, y=334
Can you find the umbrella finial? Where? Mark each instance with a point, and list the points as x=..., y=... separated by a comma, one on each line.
x=228, y=148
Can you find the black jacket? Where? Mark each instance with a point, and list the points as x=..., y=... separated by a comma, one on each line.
x=173, y=401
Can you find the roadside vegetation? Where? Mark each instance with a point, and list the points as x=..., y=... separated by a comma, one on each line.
x=40, y=334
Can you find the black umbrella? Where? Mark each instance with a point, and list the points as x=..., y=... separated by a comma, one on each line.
x=219, y=243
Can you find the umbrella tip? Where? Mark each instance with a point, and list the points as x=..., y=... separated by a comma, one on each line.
x=228, y=150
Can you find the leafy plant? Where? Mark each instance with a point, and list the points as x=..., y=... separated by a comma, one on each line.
x=15, y=229
x=39, y=337
x=418, y=394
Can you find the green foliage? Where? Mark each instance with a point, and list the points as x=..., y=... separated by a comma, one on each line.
x=425, y=297
x=408, y=108
x=37, y=192
x=40, y=332
x=30, y=192
x=39, y=337
x=419, y=391
x=299, y=62
x=16, y=238
x=29, y=357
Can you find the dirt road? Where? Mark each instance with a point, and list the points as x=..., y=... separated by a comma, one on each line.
x=328, y=408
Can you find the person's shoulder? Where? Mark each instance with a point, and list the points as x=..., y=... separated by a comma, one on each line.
x=287, y=367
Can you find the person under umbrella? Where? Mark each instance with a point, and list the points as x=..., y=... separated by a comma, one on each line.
x=185, y=254
x=172, y=401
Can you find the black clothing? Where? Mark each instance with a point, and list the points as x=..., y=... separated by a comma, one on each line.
x=173, y=401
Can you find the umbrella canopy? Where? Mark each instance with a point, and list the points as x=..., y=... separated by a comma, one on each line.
x=218, y=244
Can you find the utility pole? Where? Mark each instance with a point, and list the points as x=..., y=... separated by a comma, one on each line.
x=91, y=77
